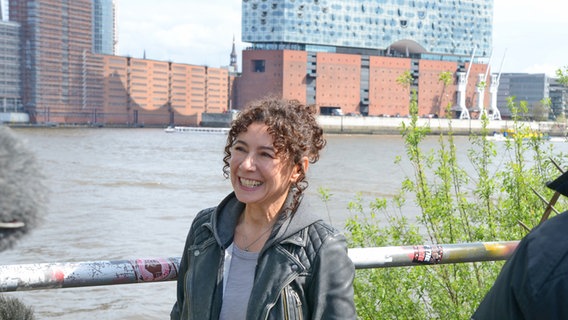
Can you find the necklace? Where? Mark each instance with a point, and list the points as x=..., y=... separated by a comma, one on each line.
x=246, y=248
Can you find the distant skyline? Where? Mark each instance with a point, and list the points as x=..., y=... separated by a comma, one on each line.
x=533, y=35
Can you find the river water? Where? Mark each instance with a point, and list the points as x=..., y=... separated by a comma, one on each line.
x=131, y=193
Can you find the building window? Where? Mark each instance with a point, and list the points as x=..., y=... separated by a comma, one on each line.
x=258, y=65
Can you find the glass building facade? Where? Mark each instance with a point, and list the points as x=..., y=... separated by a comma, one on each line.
x=10, y=79
x=61, y=77
x=530, y=88
x=3, y=10
x=442, y=28
x=104, y=27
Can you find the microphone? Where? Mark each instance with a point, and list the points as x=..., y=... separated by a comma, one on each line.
x=22, y=191
x=23, y=199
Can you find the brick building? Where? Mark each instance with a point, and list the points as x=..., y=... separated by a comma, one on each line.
x=349, y=54
x=149, y=92
x=336, y=80
x=65, y=81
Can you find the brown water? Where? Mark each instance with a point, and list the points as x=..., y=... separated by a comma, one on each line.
x=132, y=193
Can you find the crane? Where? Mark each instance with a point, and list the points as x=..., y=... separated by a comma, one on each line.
x=495, y=114
x=462, y=88
x=481, y=84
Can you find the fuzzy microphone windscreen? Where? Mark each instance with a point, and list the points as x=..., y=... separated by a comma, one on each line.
x=23, y=193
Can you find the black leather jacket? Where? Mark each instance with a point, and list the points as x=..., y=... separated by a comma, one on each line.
x=303, y=271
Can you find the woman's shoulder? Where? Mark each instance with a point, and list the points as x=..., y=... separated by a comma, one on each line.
x=204, y=216
x=201, y=226
x=321, y=232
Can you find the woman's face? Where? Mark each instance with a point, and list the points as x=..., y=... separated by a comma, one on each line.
x=259, y=176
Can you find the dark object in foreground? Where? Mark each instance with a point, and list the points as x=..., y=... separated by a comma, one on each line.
x=12, y=308
x=533, y=283
x=22, y=202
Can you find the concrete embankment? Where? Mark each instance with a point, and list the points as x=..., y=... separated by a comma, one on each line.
x=378, y=125
x=359, y=125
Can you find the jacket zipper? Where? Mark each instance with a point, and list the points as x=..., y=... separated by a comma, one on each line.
x=271, y=305
x=291, y=303
x=285, y=304
x=298, y=304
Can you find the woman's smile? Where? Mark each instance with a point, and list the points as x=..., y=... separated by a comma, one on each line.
x=249, y=183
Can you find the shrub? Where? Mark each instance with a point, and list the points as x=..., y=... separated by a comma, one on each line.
x=455, y=207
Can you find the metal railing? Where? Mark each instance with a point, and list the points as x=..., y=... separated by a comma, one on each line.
x=40, y=276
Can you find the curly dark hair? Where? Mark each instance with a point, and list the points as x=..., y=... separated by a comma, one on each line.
x=292, y=125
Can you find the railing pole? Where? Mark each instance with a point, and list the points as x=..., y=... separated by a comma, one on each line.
x=41, y=276
x=83, y=274
x=406, y=256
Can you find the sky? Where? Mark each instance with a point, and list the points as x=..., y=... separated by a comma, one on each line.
x=528, y=36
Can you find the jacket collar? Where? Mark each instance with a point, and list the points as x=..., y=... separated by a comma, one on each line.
x=291, y=221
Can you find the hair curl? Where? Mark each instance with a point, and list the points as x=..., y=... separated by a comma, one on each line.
x=292, y=125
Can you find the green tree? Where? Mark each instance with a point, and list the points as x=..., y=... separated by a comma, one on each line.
x=446, y=78
x=541, y=110
x=562, y=74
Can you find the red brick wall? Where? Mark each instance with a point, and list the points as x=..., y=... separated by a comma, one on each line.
x=338, y=81
x=145, y=92
x=434, y=97
x=256, y=84
x=217, y=90
x=386, y=96
x=294, y=75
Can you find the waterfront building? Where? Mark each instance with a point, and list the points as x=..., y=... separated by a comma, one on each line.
x=10, y=79
x=338, y=54
x=534, y=90
x=142, y=92
x=443, y=28
x=3, y=10
x=350, y=53
x=559, y=100
x=104, y=27
x=62, y=78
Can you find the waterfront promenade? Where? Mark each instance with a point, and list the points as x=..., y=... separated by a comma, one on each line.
x=393, y=125
x=359, y=124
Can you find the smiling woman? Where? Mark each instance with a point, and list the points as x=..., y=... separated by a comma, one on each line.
x=274, y=255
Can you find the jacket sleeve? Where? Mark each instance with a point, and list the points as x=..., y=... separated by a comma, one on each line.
x=332, y=286
x=501, y=302
x=202, y=217
x=175, y=314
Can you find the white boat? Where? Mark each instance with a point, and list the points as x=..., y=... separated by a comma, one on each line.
x=558, y=139
x=180, y=129
x=501, y=136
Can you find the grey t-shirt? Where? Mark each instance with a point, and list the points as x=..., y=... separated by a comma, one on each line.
x=238, y=284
